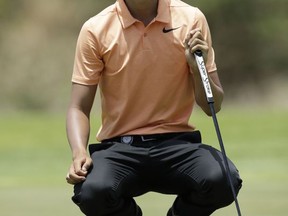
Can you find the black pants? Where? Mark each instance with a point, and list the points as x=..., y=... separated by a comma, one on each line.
x=179, y=165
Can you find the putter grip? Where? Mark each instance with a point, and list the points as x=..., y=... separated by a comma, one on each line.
x=204, y=76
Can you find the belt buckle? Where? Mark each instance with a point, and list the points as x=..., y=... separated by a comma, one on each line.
x=127, y=139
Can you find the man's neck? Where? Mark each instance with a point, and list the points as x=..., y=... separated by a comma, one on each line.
x=143, y=10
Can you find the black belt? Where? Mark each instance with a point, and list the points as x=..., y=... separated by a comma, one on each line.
x=193, y=137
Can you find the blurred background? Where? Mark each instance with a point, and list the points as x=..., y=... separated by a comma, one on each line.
x=37, y=46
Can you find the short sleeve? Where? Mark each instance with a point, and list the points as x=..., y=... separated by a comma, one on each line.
x=88, y=64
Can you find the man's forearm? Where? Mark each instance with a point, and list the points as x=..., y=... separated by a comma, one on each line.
x=200, y=95
x=78, y=130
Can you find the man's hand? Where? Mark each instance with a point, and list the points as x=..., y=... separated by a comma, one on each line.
x=195, y=41
x=79, y=169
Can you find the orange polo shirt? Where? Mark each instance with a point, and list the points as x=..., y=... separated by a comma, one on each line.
x=144, y=80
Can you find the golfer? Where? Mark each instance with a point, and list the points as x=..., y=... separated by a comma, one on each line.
x=139, y=54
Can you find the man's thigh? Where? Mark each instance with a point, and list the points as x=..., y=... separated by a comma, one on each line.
x=189, y=167
x=117, y=167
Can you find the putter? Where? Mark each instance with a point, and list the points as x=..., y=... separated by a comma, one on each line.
x=208, y=91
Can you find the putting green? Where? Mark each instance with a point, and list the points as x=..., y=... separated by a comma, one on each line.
x=34, y=158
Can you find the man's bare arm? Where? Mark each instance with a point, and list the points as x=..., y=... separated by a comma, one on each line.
x=78, y=130
x=193, y=42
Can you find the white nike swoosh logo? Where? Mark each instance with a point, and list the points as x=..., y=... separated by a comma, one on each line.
x=145, y=140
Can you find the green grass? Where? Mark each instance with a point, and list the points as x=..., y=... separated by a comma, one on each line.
x=34, y=159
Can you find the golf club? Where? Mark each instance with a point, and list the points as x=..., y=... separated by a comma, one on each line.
x=208, y=91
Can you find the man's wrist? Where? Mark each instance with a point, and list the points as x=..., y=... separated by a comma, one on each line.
x=194, y=70
x=78, y=152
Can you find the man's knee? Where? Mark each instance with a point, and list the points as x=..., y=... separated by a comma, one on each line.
x=218, y=188
x=213, y=192
x=94, y=198
x=100, y=198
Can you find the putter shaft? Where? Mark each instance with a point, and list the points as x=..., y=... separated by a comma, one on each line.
x=210, y=100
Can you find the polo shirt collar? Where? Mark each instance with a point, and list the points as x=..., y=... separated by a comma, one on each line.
x=163, y=11
x=127, y=19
